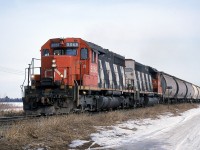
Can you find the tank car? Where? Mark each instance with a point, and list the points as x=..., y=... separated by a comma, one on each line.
x=196, y=95
x=190, y=92
x=177, y=90
x=169, y=87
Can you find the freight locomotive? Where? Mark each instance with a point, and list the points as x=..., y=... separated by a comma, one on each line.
x=76, y=75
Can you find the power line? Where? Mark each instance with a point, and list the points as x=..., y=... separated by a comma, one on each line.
x=11, y=71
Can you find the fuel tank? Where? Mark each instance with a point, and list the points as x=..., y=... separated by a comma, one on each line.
x=151, y=101
x=108, y=102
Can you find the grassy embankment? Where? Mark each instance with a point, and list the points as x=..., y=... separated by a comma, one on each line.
x=56, y=132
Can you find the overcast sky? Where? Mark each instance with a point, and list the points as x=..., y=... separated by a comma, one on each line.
x=164, y=34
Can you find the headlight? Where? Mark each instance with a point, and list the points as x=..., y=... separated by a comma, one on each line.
x=53, y=60
x=54, y=65
x=32, y=76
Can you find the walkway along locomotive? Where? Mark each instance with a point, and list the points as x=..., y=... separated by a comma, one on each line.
x=76, y=75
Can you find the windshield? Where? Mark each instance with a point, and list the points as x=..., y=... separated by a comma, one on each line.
x=70, y=51
x=66, y=51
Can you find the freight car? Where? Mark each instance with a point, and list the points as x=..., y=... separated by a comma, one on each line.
x=177, y=90
x=76, y=75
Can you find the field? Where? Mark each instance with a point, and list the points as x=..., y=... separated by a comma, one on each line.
x=57, y=132
x=7, y=110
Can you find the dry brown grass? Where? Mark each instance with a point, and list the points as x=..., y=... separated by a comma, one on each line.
x=11, y=113
x=57, y=132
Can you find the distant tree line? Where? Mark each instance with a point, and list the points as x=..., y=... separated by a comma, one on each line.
x=7, y=99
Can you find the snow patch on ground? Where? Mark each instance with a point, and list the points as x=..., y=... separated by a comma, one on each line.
x=167, y=132
x=77, y=143
x=12, y=106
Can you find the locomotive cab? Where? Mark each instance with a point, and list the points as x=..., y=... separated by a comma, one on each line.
x=68, y=60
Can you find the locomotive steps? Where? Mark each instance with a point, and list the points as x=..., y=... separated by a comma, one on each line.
x=57, y=132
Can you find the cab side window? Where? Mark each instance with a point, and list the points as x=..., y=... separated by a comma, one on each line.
x=84, y=53
x=94, y=57
x=45, y=52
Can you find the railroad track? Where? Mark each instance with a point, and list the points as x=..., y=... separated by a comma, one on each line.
x=26, y=117
x=15, y=118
